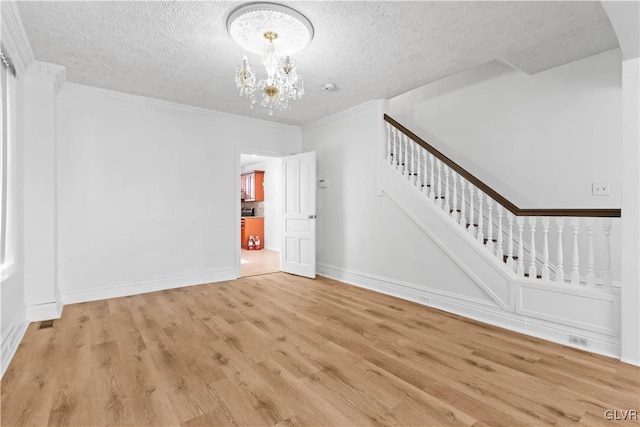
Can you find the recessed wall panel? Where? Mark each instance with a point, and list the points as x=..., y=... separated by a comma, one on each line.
x=299, y=225
x=305, y=254
x=293, y=250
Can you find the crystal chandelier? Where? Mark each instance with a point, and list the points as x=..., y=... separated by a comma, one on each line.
x=275, y=32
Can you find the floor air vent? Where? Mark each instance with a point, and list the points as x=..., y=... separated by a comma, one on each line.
x=46, y=324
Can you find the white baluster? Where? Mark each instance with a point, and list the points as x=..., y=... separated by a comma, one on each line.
x=447, y=193
x=591, y=258
x=462, y=219
x=472, y=228
x=412, y=163
x=520, y=263
x=415, y=165
x=396, y=148
x=560, y=255
x=432, y=194
x=489, y=243
x=389, y=153
x=405, y=171
x=418, y=168
x=575, y=260
x=606, y=270
x=397, y=142
x=480, y=232
x=510, y=261
x=533, y=274
x=499, y=249
x=545, y=248
x=439, y=198
x=425, y=178
x=454, y=213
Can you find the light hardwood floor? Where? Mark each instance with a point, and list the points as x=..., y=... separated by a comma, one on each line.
x=263, y=261
x=283, y=350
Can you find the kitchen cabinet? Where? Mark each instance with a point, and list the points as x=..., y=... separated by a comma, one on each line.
x=251, y=226
x=252, y=186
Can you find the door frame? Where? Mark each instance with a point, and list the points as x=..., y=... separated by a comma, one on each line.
x=239, y=150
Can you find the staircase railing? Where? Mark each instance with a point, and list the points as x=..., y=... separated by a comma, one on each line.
x=490, y=218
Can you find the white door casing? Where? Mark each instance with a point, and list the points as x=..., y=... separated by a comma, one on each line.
x=298, y=254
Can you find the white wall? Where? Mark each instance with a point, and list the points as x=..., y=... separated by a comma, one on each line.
x=625, y=19
x=148, y=191
x=41, y=85
x=540, y=140
x=13, y=319
x=359, y=231
x=272, y=201
x=631, y=214
x=12, y=304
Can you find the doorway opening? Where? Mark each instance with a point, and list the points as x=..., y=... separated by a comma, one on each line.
x=261, y=214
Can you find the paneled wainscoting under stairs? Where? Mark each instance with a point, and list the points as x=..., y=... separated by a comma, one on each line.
x=549, y=272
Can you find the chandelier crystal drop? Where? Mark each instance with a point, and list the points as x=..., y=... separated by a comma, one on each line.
x=245, y=78
x=275, y=32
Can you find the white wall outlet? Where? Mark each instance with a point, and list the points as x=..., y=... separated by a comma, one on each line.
x=579, y=341
x=323, y=183
x=601, y=189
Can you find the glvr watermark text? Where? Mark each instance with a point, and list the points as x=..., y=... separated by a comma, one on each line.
x=621, y=414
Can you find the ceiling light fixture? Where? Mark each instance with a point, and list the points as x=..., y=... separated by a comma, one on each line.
x=275, y=32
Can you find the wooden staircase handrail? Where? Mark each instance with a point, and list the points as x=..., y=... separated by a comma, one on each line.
x=613, y=213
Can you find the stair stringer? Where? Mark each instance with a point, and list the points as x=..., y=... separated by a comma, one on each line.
x=483, y=268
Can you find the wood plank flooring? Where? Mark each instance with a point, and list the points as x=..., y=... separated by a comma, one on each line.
x=283, y=350
x=263, y=261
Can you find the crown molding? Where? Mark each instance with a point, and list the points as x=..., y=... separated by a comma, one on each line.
x=14, y=37
x=159, y=103
x=368, y=106
x=47, y=71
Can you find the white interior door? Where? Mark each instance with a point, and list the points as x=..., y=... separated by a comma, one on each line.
x=298, y=254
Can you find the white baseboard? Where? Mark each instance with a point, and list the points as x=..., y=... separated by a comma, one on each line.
x=10, y=344
x=633, y=362
x=386, y=285
x=47, y=311
x=475, y=309
x=70, y=296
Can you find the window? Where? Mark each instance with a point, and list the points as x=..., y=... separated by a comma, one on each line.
x=7, y=226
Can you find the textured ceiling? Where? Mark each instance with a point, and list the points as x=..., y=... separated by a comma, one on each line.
x=181, y=52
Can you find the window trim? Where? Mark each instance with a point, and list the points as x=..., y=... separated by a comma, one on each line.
x=8, y=231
